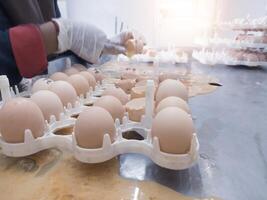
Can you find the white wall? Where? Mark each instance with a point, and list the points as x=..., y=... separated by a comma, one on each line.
x=142, y=15
x=136, y=14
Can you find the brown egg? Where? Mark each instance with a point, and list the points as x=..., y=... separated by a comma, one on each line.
x=118, y=93
x=59, y=76
x=90, y=78
x=49, y=103
x=139, y=46
x=171, y=88
x=91, y=126
x=174, y=129
x=79, y=67
x=16, y=116
x=173, y=102
x=112, y=105
x=65, y=92
x=41, y=84
x=97, y=74
x=79, y=83
x=126, y=85
x=71, y=71
x=136, y=109
x=130, y=46
x=168, y=75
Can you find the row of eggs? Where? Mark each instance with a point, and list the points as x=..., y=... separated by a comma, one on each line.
x=172, y=123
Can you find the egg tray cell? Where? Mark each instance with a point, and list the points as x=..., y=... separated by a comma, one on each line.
x=149, y=146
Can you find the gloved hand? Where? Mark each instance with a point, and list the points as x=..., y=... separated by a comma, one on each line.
x=85, y=40
x=116, y=44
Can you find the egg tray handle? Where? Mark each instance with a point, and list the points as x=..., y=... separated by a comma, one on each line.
x=148, y=147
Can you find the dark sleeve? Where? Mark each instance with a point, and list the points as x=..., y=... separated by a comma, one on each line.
x=28, y=49
x=7, y=61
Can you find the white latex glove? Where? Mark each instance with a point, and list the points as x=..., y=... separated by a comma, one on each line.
x=85, y=40
x=116, y=44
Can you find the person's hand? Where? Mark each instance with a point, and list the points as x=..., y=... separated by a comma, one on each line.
x=116, y=44
x=85, y=40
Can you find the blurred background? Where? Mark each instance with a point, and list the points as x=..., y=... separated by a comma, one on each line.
x=163, y=22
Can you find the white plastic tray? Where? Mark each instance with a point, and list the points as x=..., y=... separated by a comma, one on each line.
x=149, y=146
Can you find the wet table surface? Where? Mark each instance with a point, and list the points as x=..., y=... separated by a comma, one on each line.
x=232, y=131
x=231, y=128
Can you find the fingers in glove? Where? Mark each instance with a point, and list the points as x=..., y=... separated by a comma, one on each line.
x=114, y=49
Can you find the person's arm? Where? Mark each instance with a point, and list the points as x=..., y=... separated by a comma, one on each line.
x=7, y=61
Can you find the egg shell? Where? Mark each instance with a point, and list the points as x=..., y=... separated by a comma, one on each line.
x=65, y=91
x=90, y=78
x=49, y=103
x=174, y=128
x=138, y=92
x=91, y=126
x=171, y=87
x=173, y=102
x=79, y=67
x=136, y=109
x=17, y=115
x=118, y=93
x=126, y=85
x=112, y=105
x=80, y=84
x=59, y=76
x=41, y=84
x=71, y=71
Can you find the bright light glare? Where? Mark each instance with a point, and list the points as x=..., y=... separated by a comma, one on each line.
x=181, y=21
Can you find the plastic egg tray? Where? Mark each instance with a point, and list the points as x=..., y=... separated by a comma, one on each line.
x=148, y=146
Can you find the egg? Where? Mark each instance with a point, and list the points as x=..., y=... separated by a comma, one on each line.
x=130, y=46
x=49, y=103
x=125, y=85
x=118, y=93
x=97, y=74
x=136, y=109
x=79, y=83
x=17, y=115
x=41, y=84
x=173, y=102
x=171, y=87
x=65, y=92
x=139, y=46
x=90, y=78
x=71, y=71
x=79, y=67
x=112, y=105
x=91, y=126
x=59, y=76
x=174, y=129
